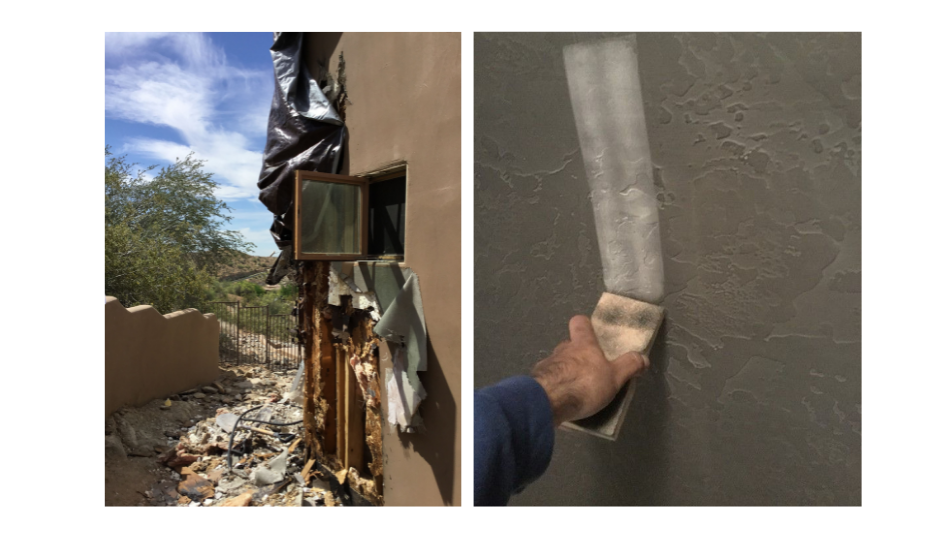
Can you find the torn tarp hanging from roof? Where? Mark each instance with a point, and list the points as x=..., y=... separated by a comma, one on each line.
x=305, y=131
x=374, y=286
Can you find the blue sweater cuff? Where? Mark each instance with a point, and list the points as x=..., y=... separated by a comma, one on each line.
x=529, y=415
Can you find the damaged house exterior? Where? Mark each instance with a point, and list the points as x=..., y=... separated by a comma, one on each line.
x=361, y=174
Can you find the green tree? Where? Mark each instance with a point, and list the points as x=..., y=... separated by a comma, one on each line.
x=164, y=235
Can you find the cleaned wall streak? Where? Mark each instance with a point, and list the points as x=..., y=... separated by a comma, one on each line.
x=604, y=87
x=753, y=396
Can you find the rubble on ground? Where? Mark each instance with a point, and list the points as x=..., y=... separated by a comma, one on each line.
x=185, y=438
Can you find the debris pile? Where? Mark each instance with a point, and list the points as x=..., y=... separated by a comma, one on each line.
x=186, y=441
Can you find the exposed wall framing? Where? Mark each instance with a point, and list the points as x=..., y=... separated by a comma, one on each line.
x=342, y=403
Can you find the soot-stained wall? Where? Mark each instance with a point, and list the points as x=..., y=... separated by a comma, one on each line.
x=404, y=104
x=753, y=396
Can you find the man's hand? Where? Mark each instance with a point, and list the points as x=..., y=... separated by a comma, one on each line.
x=577, y=377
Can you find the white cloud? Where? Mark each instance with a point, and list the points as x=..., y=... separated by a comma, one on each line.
x=235, y=168
x=122, y=43
x=160, y=94
x=264, y=244
x=213, y=106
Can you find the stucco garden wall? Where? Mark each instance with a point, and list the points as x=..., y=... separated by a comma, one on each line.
x=149, y=355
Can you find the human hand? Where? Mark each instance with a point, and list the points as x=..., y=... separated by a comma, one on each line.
x=577, y=377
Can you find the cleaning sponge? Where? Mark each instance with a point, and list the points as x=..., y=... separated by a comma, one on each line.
x=621, y=324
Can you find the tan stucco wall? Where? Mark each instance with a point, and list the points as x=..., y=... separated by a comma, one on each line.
x=149, y=355
x=404, y=91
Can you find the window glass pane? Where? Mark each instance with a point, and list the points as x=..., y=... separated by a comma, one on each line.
x=330, y=217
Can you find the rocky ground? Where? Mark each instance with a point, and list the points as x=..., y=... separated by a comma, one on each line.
x=251, y=347
x=173, y=451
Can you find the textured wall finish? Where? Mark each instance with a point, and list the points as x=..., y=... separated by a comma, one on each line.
x=753, y=396
x=150, y=356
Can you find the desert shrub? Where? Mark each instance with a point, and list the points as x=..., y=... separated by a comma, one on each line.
x=164, y=236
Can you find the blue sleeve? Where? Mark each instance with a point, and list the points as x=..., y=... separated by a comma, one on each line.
x=513, y=438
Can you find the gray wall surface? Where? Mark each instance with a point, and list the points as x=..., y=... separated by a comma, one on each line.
x=753, y=396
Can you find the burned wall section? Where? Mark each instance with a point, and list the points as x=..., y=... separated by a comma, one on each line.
x=342, y=403
x=306, y=131
x=753, y=396
x=403, y=106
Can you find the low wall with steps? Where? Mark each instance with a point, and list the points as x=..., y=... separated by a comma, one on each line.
x=149, y=355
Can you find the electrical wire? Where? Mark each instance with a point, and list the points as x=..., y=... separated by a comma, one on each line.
x=229, y=450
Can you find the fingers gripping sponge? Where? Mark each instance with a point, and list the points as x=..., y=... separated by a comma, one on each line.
x=621, y=325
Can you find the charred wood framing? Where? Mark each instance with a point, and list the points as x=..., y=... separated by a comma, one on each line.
x=342, y=403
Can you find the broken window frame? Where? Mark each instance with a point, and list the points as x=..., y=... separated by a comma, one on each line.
x=363, y=183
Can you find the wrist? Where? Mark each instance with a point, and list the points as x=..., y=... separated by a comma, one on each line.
x=561, y=404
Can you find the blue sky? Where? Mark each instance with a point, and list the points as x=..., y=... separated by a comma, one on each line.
x=171, y=93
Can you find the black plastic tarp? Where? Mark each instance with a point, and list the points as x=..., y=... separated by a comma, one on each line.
x=304, y=132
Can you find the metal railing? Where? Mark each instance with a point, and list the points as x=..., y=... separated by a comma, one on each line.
x=251, y=335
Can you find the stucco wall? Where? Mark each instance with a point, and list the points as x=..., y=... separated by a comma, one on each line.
x=149, y=355
x=405, y=105
x=753, y=396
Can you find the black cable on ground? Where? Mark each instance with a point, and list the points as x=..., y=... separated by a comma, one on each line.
x=229, y=450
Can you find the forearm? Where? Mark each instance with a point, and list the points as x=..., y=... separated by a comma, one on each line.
x=514, y=437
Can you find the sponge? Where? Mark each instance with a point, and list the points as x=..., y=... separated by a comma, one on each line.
x=621, y=324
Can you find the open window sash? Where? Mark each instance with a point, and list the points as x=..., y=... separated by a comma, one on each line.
x=331, y=217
